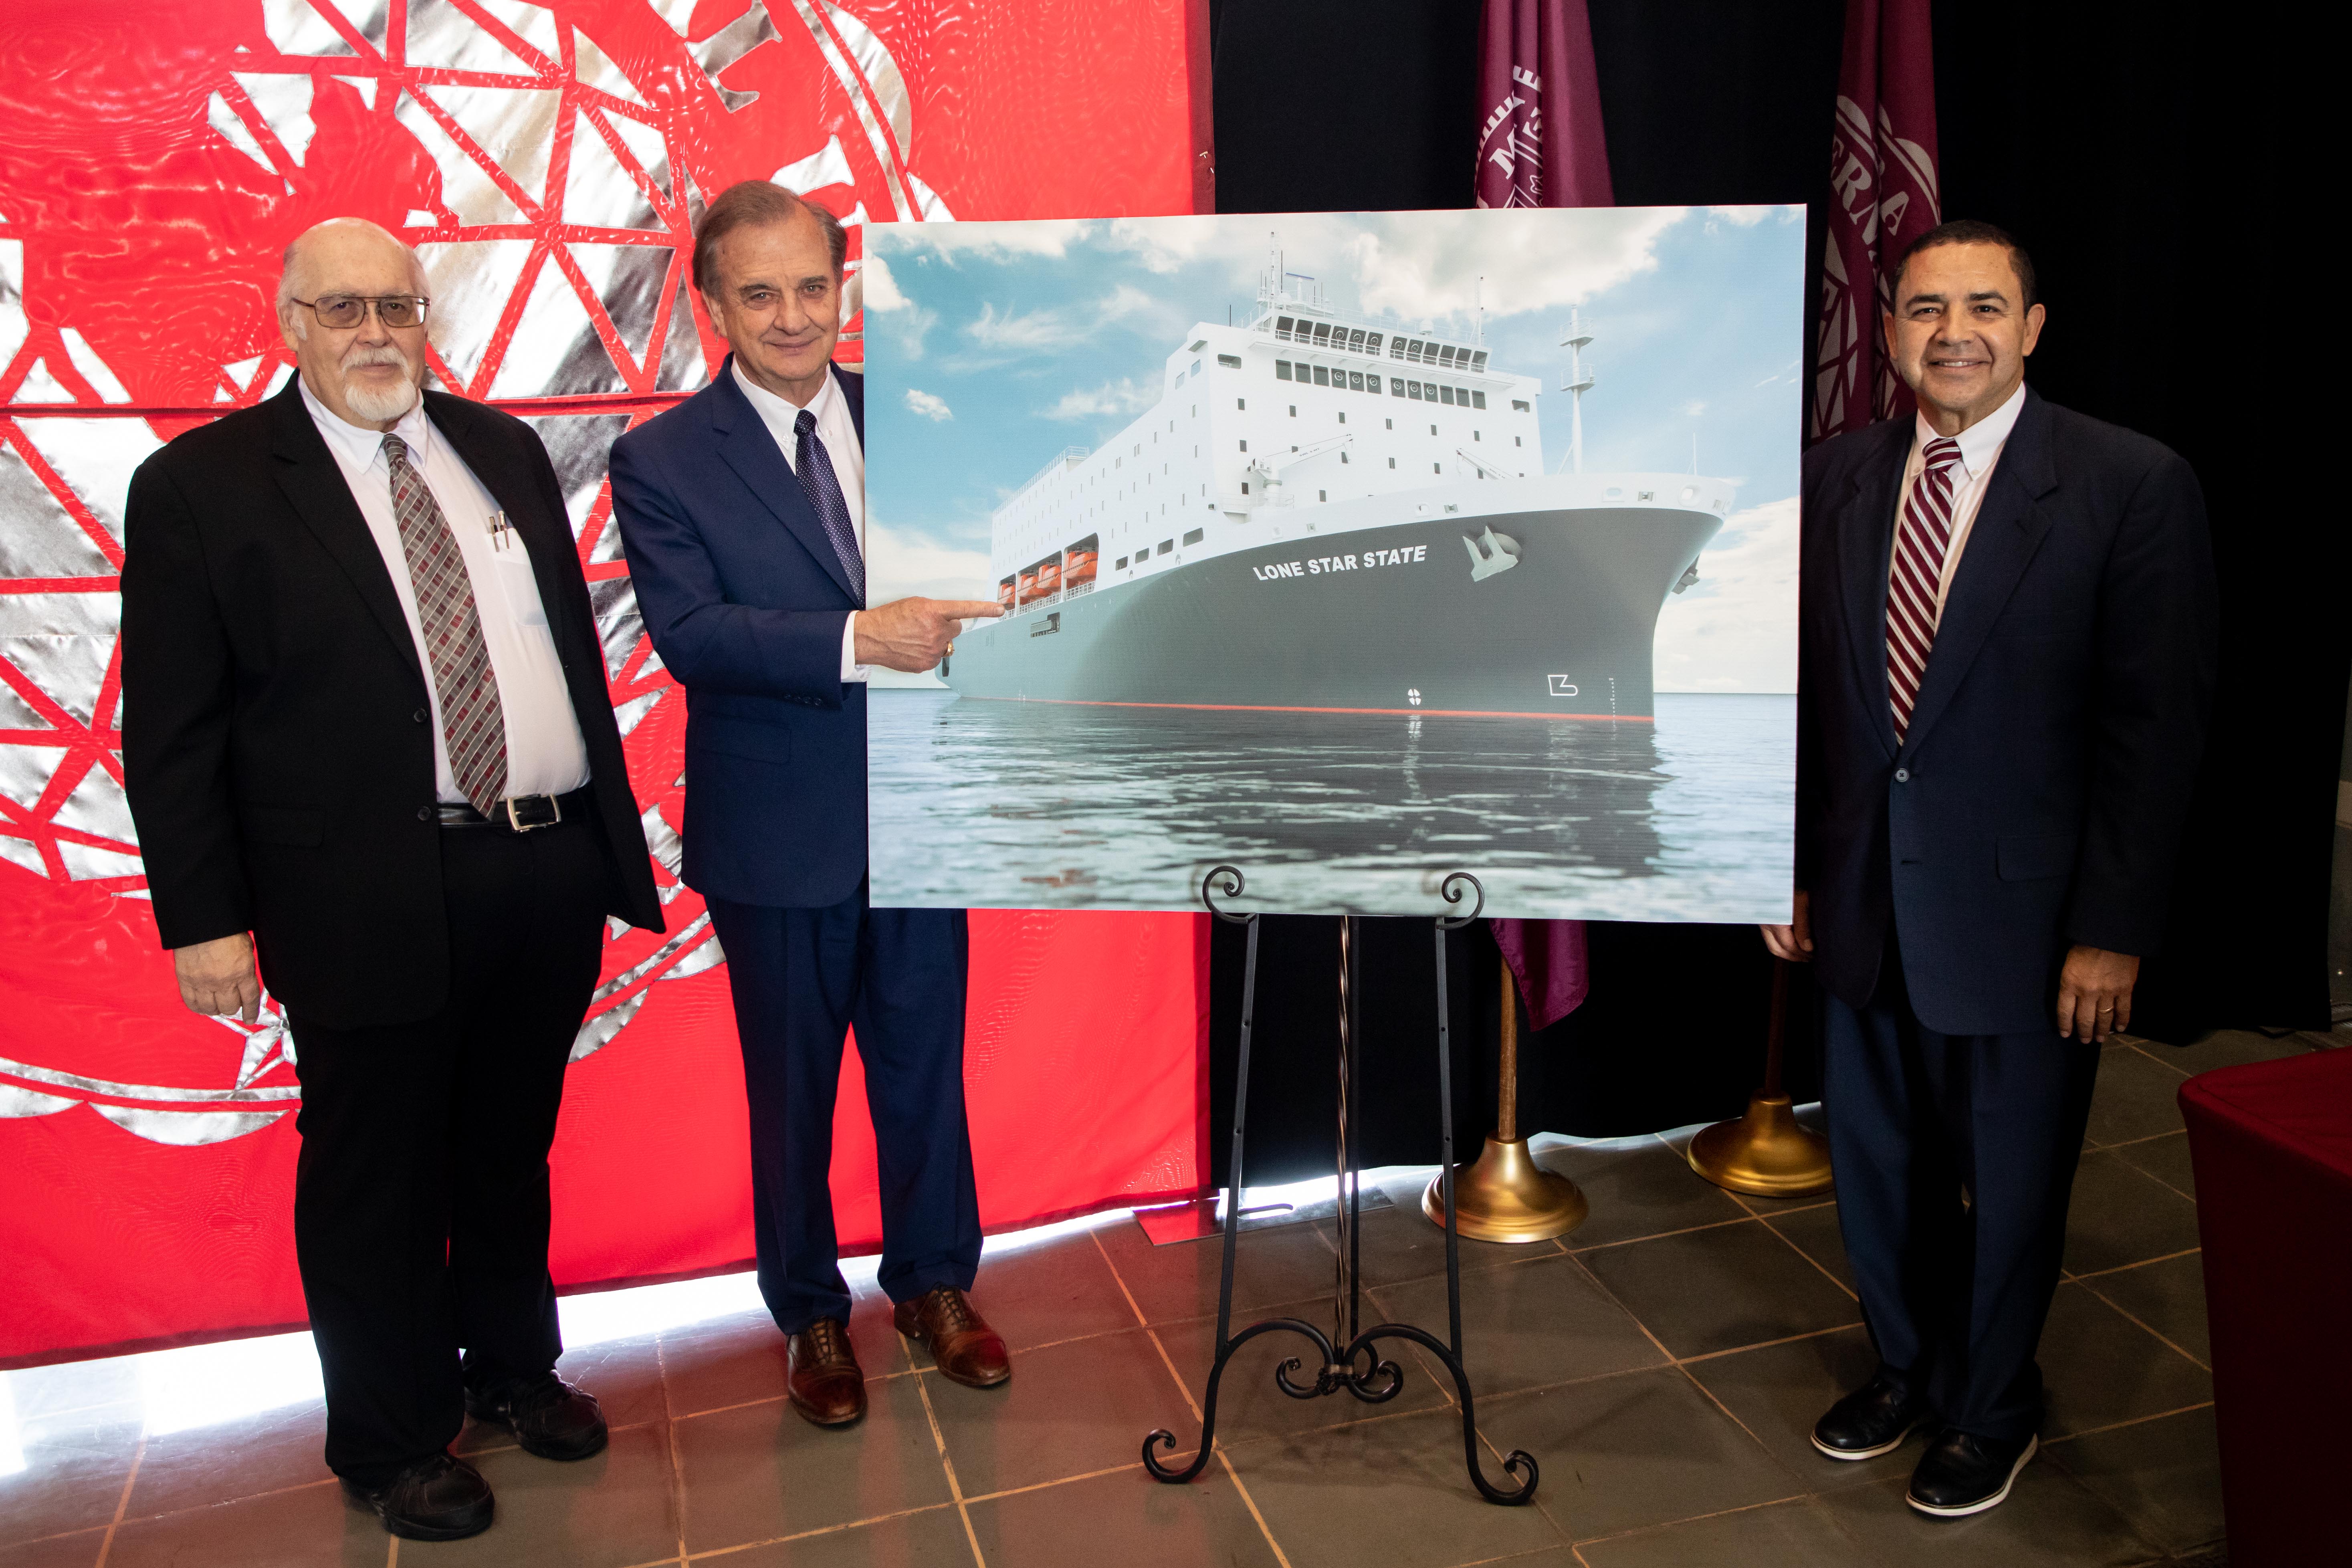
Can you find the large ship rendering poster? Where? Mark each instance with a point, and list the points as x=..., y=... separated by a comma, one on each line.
x=1349, y=549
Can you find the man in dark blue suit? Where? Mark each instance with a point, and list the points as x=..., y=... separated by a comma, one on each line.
x=2007, y=659
x=742, y=511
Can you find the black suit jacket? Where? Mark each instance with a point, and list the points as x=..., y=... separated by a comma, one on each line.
x=2038, y=797
x=276, y=745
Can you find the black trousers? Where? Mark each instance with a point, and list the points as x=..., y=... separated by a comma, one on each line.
x=421, y=1197
x=801, y=979
x=1954, y=1293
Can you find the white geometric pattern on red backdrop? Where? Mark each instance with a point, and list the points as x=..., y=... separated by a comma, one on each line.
x=559, y=194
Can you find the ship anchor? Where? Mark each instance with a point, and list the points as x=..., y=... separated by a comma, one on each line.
x=1489, y=554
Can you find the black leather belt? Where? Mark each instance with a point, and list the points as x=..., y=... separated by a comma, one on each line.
x=518, y=813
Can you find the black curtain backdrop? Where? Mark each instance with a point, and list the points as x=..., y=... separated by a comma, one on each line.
x=2135, y=148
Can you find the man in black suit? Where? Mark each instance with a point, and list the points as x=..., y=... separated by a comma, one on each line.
x=2007, y=647
x=366, y=739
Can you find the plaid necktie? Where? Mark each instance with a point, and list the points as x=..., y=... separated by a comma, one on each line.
x=473, y=725
x=813, y=465
x=1921, y=542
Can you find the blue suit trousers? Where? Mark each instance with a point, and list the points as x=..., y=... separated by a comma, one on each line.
x=1954, y=1158
x=801, y=979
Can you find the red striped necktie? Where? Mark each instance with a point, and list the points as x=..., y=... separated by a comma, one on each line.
x=1922, y=539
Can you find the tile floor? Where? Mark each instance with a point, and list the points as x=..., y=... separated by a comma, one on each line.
x=1663, y=1366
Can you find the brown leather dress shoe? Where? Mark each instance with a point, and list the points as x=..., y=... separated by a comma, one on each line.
x=966, y=1349
x=827, y=1387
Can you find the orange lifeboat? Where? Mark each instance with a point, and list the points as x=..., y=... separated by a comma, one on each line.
x=1004, y=595
x=1080, y=572
x=1028, y=588
x=1049, y=578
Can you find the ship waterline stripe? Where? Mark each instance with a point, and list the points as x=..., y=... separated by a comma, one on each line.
x=1282, y=708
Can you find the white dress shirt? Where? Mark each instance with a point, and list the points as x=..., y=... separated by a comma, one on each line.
x=544, y=753
x=1980, y=446
x=839, y=433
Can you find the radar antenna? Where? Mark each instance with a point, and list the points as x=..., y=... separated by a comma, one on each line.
x=1579, y=382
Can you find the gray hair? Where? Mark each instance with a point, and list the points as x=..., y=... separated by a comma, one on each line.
x=288, y=258
x=752, y=204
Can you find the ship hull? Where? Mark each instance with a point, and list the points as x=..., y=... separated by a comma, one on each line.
x=1409, y=616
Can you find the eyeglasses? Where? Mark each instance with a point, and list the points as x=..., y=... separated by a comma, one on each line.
x=342, y=312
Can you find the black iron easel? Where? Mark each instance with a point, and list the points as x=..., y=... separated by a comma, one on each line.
x=1375, y=1380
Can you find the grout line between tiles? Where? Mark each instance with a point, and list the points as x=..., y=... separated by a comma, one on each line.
x=1118, y=1279
x=2151, y=1330
x=1250, y=1503
x=1223, y=1458
x=955, y=1487
x=2136, y=1045
x=1691, y=1519
x=1045, y=1486
x=669, y=1443
x=2144, y=1138
x=717, y=1552
x=1742, y=1218
x=1766, y=1344
x=1709, y=1393
x=122, y=1504
x=1816, y=1262
x=2124, y=1268
x=1507, y=1557
x=1610, y=1297
x=2134, y=1421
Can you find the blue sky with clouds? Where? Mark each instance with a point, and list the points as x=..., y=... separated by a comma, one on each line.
x=990, y=347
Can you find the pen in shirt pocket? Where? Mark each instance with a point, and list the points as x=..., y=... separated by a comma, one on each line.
x=501, y=529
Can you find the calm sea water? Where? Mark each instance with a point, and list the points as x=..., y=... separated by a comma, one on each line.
x=1036, y=805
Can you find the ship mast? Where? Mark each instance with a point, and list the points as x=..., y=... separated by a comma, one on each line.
x=1579, y=382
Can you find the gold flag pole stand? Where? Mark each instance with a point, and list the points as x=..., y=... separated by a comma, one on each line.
x=1505, y=1195
x=1765, y=1152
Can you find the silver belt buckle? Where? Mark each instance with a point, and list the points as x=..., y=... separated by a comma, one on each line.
x=520, y=826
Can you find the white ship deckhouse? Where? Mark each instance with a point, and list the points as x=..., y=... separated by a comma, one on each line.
x=1326, y=511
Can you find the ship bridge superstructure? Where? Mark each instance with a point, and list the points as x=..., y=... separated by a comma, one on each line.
x=1307, y=420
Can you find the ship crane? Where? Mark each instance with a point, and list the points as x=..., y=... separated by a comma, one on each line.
x=1268, y=468
x=1483, y=466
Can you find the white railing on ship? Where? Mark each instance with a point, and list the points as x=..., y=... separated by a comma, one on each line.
x=1055, y=598
x=1062, y=458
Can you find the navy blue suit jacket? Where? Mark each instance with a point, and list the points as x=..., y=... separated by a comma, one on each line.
x=2038, y=797
x=744, y=597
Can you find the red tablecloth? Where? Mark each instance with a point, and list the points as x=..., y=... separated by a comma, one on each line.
x=2273, y=1147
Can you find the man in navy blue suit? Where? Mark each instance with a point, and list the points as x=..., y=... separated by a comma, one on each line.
x=2007, y=659
x=743, y=515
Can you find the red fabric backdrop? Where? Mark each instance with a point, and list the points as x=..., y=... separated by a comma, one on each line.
x=548, y=161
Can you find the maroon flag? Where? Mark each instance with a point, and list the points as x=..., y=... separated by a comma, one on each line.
x=1540, y=145
x=1547, y=958
x=1882, y=197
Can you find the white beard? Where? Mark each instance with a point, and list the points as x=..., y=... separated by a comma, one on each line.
x=383, y=404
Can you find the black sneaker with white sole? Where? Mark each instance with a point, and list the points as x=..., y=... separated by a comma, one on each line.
x=1874, y=1419
x=1961, y=1473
